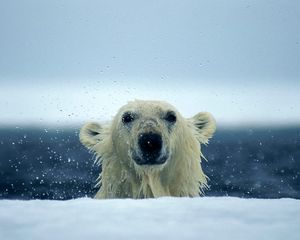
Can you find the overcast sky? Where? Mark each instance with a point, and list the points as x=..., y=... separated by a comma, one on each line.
x=67, y=61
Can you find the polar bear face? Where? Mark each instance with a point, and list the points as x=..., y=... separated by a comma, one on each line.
x=145, y=132
x=148, y=134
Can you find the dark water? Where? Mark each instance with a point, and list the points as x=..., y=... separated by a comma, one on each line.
x=52, y=164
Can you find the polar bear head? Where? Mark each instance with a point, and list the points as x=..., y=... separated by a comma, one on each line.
x=150, y=137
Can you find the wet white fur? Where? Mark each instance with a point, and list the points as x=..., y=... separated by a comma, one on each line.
x=121, y=177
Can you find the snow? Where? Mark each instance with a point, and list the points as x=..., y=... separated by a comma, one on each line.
x=163, y=218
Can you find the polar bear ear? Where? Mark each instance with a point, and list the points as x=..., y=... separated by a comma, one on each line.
x=90, y=134
x=205, y=125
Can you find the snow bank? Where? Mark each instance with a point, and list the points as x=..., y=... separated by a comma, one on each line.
x=164, y=218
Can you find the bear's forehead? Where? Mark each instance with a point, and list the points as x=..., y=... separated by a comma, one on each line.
x=145, y=107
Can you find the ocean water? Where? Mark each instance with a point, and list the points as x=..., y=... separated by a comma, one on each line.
x=38, y=163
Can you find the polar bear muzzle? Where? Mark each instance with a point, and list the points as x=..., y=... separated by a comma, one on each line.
x=150, y=150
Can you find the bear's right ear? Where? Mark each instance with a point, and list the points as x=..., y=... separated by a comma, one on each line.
x=90, y=134
x=205, y=125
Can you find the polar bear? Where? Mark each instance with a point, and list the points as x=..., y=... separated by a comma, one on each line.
x=149, y=150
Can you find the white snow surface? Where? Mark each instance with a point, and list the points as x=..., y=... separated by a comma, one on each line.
x=163, y=218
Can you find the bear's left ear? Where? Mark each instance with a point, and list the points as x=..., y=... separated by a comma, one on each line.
x=90, y=134
x=205, y=125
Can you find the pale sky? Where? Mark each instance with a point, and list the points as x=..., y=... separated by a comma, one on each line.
x=64, y=62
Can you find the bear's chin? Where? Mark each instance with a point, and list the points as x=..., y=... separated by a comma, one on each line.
x=148, y=161
x=149, y=169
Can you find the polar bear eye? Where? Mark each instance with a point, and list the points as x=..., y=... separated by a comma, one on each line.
x=127, y=117
x=170, y=117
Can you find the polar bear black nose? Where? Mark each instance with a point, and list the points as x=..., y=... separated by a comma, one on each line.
x=150, y=145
